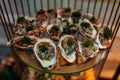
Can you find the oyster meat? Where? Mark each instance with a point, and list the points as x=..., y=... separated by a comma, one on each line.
x=52, y=14
x=88, y=48
x=69, y=28
x=63, y=13
x=23, y=42
x=45, y=51
x=42, y=17
x=76, y=16
x=103, y=38
x=54, y=30
x=87, y=28
x=67, y=45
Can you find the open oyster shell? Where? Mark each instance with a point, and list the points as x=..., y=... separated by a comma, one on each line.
x=52, y=14
x=102, y=42
x=91, y=31
x=28, y=43
x=23, y=25
x=72, y=56
x=44, y=62
x=76, y=15
x=90, y=54
x=64, y=13
x=49, y=27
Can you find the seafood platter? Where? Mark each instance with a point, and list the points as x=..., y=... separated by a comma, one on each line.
x=64, y=34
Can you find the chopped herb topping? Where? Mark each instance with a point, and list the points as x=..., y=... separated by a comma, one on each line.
x=76, y=14
x=68, y=10
x=21, y=19
x=73, y=25
x=88, y=43
x=26, y=40
x=92, y=19
x=55, y=27
x=50, y=10
x=70, y=25
x=43, y=48
x=107, y=32
x=41, y=11
x=69, y=42
x=29, y=28
x=85, y=24
x=67, y=24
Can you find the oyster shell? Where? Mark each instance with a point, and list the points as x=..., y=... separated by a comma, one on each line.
x=93, y=19
x=69, y=28
x=76, y=14
x=63, y=13
x=23, y=42
x=52, y=14
x=41, y=17
x=88, y=30
x=88, y=51
x=69, y=55
x=55, y=32
x=23, y=25
x=42, y=56
x=103, y=42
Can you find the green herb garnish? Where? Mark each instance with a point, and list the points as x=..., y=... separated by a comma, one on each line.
x=21, y=19
x=88, y=43
x=73, y=25
x=69, y=42
x=68, y=10
x=43, y=48
x=107, y=32
x=41, y=11
x=76, y=14
x=70, y=25
x=26, y=40
x=50, y=10
x=92, y=19
x=56, y=28
x=29, y=28
x=85, y=24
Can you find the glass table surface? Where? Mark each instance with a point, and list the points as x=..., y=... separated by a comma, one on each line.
x=29, y=58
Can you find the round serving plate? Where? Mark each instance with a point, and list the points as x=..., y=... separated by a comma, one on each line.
x=31, y=61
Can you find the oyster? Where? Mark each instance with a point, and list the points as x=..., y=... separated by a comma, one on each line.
x=88, y=48
x=42, y=17
x=23, y=42
x=63, y=13
x=54, y=30
x=69, y=28
x=23, y=25
x=103, y=38
x=87, y=28
x=20, y=26
x=76, y=16
x=93, y=19
x=52, y=14
x=67, y=45
x=45, y=51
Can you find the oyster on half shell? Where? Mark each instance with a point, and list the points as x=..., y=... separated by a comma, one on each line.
x=103, y=38
x=87, y=28
x=67, y=45
x=54, y=30
x=63, y=13
x=23, y=42
x=45, y=51
x=93, y=19
x=88, y=48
